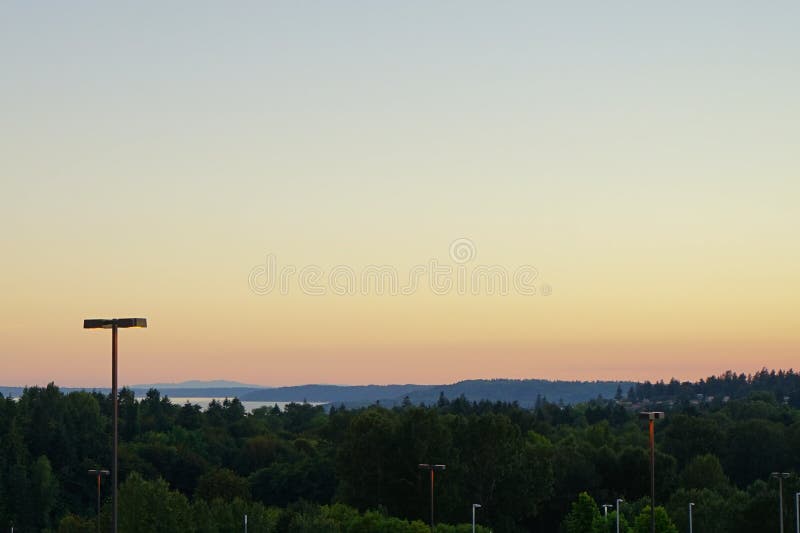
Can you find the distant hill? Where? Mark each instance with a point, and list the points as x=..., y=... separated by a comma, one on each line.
x=347, y=394
x=522, y=391
x=784, y=385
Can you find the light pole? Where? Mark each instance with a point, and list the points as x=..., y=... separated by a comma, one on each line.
x=432, y=468
x=605, y=510
x=797, y=510
x=113, y=324
x=474, y=506
x=690, y=516
x=99, y=473
x=781, y=476
x=651, y=417
x=618, y=502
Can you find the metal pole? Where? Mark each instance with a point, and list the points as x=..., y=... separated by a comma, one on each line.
x=432, y=498
x=797, y=510
x=245, y=523
x=115, y=466
x=473, y=518
x=690, y=517
x=780, y=498
x=618, y=500
x=653, y=477
x=97, y=519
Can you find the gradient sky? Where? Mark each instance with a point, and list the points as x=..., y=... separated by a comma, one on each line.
x=642, y=156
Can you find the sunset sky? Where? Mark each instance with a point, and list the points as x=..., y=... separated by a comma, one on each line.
x=642, y=157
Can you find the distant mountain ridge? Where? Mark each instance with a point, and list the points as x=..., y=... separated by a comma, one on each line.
x=783, y=385
x=523, y=391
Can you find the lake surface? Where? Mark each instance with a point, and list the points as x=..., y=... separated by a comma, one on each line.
x=248, y=406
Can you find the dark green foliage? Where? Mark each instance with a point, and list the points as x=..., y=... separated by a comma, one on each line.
x=222, y=484
x=353, y=470
x=582, y=516
x=643, y=521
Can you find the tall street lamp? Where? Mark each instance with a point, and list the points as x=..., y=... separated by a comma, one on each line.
x=797, y=510
x=619, y=500
x=605, y=510
x=651, y=417
x=781, y=476
x=432, y=468
x=113, y=324
x=474, y=506
x=99, y=473
x=691, y=505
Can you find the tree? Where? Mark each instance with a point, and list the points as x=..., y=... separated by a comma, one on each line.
x=686, y=436
x=75, y=524
x=755, y=448
x=582, y=516
x=704, y=472
x=151, y=506
x=366, y=456
x=663, y=522
x=608, y=524
x=42, y=492
x=712, y=513
x=223, y=484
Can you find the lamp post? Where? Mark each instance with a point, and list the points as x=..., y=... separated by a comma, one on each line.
x=618, y=502
x=651, y=417
x=605, y=510
x=474, y=506
x=432, y=468
x=797, y=510
x=690, y=516
x=781, y=476
x=113, y=324
x=99, y=473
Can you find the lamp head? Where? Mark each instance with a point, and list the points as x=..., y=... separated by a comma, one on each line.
x=108, y=323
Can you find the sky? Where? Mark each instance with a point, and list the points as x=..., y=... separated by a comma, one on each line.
x=395, y=192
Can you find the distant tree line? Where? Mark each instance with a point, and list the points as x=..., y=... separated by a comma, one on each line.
x=783, y=384
x=308, y=468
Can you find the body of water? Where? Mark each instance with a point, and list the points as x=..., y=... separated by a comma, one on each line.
x=248, y=406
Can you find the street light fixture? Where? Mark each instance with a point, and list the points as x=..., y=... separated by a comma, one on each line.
x=651, y=417
x=619, y=500
x=432, y=468
x=606, y=506
x=691, y=505
x=781, y=476
x=99, y=473
x=474, y=506
x=113, y=324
